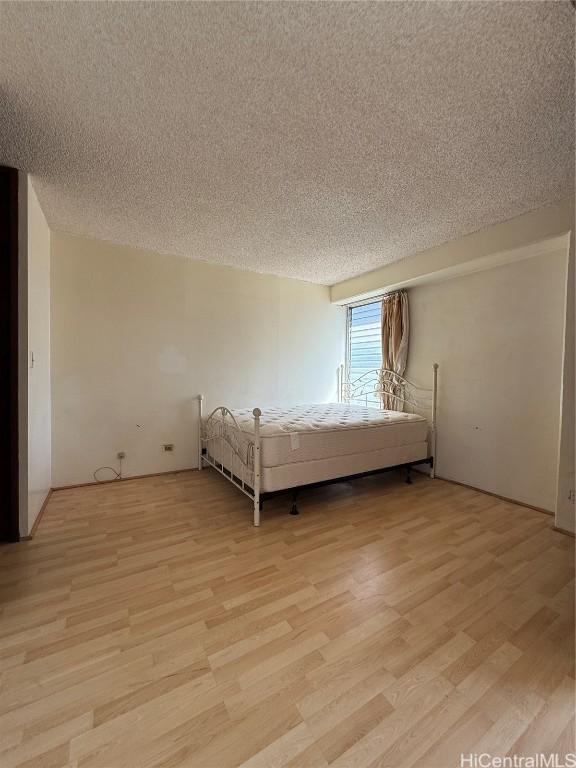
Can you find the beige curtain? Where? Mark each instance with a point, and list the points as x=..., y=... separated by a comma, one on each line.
x=395, y=333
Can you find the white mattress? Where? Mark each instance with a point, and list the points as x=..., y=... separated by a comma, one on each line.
x=312, y=432
x=311, y=443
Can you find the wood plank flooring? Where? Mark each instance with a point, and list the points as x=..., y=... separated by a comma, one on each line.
x=149, y=624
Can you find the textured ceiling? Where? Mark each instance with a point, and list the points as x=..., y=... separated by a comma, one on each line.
x=315, y=140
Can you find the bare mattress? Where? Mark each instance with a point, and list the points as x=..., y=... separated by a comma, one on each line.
x=312, y=443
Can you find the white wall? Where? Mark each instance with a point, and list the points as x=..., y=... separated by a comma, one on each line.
x=565, y=516
x=39, y=405
x=498, y=337
x=137, y=335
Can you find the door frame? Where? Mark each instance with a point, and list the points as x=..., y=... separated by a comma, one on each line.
x=11, y=312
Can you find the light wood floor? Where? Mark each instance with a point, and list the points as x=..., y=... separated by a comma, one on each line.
x=148, y=624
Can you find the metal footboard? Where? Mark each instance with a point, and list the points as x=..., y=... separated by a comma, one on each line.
x=231, y=451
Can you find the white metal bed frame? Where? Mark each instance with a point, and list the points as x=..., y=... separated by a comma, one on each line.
x=221, y=434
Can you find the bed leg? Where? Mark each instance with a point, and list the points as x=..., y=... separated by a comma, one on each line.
x=257, y=507
x=409, y=475
x=294, y=507
x=200, y=442
x=257, y=413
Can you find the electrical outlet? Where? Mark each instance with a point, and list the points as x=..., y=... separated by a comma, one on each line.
x=168, y=447
x=121, y=455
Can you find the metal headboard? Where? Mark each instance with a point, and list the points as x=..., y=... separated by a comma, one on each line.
x=392, y=392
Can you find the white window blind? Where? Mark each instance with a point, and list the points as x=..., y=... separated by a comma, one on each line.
x=365, y=343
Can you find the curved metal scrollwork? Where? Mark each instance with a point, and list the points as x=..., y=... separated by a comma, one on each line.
x=393, y=392
x=232, y=451
x=221, y=426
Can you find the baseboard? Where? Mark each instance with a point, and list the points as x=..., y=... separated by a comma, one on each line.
x=564, y=531
x=122, y=479
x=497, y=496
x=38, y=517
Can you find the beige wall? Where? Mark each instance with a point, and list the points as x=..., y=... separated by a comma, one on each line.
x=137, y=335
x=498, y=337
x=39, y=406
x=565, y=516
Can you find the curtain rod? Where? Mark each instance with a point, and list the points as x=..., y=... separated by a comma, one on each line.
x=374, y=299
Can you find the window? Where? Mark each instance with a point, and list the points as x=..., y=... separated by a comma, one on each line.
x=364, y=348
